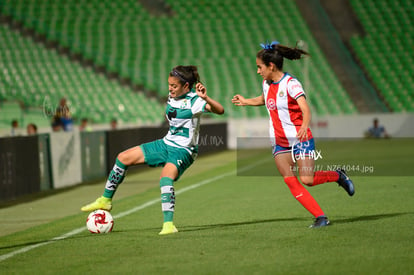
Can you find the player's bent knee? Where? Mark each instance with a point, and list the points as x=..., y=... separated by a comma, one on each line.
x=123, y=157
x=307, y=180
x=131, y=156
x=126, y=158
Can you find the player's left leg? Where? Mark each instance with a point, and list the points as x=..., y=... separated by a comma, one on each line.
x=311, y=178
x=168, y=174
x=178, y=160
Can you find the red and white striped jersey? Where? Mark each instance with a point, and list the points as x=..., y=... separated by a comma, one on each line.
x=284, y=111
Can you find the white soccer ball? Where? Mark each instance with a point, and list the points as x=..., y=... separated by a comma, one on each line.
x=100, y=221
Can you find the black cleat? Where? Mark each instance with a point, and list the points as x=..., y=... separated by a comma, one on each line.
x=345, y=182
x=320, y=222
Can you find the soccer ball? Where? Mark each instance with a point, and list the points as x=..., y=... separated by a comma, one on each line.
x=100, y=221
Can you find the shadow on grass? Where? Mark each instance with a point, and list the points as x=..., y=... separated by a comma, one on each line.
x=190, y=228
x=43, y=242
x=339, y=221
x=371, y=217
x=223, y=225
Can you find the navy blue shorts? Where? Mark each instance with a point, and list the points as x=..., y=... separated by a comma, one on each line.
x=304, y=148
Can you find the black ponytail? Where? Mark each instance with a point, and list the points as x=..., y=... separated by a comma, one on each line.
x=275, y=52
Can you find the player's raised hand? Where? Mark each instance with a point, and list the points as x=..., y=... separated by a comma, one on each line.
x=201, y=90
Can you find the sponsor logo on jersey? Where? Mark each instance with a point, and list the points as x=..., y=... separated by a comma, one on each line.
x=172, y=113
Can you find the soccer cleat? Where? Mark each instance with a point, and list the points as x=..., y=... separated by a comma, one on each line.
x=168, y=228
x=100, y=203
x=320, y=222
x=345, y=182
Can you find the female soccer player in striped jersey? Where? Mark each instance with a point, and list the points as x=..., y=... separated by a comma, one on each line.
x=290, y=116
x=176, y=151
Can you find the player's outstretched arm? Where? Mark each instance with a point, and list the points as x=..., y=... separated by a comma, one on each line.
x=239, y=100
x=212, y=105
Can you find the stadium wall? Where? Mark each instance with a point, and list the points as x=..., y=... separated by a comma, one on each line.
x=93, y=154
x=66, y=158
x=350, y=126
x=30, y=164
x=19, y=167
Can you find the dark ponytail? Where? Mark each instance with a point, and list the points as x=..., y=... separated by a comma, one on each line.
x=186, y=74
x=275, y=52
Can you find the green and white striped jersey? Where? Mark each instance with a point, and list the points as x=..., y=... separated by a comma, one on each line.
x=183, y=115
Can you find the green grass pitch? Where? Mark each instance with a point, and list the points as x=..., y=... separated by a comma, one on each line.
x=230, y=220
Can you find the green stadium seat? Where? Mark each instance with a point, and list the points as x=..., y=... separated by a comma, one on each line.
x=34, y=74
x=389, y=25
x=125, y=39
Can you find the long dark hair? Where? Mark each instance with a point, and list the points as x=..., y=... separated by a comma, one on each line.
x=186, y=74
x=275, y=52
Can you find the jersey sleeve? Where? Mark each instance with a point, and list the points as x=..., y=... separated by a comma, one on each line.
x=295, y=89
x=198, y=105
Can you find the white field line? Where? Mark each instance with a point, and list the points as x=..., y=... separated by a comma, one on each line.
x=122, y=214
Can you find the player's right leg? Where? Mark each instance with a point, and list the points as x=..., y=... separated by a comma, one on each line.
x=285, y=164
x=100, y=203
x=127, y=158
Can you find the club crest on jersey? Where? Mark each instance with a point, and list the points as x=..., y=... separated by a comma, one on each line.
x=281, y=94
x=271, y=104
x=184, y=104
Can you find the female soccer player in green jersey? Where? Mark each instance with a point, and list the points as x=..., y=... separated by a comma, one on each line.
x=176, y=151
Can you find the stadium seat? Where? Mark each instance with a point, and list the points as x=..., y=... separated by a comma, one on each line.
x=221, y=37
x=386, y=50
x=36, y=76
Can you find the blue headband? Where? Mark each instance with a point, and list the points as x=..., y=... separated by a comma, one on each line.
x=269, y=46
